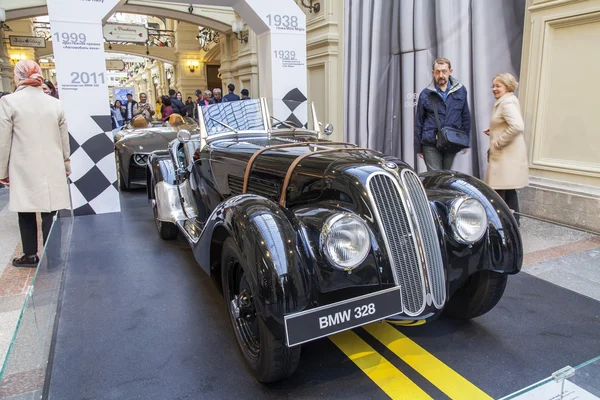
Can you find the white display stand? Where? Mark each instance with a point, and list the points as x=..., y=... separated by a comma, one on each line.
x=78, y=44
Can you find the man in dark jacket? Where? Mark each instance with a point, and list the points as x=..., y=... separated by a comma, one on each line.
x=177, y=105
x=450, y=97
x=231, y=96
x=129, y=108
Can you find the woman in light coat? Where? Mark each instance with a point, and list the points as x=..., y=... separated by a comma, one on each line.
x=34, y=156
x=508, y=168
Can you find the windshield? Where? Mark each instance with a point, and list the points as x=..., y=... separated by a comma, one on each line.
x=243, y=115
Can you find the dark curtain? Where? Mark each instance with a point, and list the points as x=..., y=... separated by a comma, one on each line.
x=390, y=47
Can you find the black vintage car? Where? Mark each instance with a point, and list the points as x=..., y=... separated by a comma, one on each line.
x=310, y=237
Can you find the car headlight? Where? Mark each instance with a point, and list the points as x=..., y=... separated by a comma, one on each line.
x=345, y=240
x=468, y=219
x=140, y=159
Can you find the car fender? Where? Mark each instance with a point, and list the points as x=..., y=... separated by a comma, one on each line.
x=162, y=188
x=500, y=249
x=272, y=250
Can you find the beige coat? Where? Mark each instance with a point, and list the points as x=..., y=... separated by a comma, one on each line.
x=508, y=167
x=34, y=150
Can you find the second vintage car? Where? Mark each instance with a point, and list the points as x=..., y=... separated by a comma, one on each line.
x=136, y=140
x=310, y=237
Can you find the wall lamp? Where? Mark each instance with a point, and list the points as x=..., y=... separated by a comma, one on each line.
x=192, y=65
x=316, y=7
x=237, y=27
x=15, y=58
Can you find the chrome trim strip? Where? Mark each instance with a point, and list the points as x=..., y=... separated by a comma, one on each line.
x=439, y=303
x=386, y=240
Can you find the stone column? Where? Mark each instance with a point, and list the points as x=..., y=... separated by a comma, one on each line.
x=162, y=79
x=187, y=50
x=148, y=77
x=6, y=68
x=226, y=70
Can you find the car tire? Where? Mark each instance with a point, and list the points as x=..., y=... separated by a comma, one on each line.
x=123, y=186
x=266, y=356
x=166, y=230
x=478, y=295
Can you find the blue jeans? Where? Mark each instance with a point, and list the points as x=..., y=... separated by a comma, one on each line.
x=435, y=159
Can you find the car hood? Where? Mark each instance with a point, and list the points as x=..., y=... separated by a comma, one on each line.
x=147, y=141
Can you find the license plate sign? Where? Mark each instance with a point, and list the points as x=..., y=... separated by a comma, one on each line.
x=323, y=321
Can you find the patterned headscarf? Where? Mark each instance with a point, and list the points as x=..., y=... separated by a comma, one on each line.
x=29, y=73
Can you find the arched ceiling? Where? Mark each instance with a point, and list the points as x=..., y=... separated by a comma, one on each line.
x=215, y=17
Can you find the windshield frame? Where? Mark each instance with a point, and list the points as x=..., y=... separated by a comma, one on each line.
x=267, y=122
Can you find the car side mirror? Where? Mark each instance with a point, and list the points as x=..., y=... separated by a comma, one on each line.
x=328, y=129
x=184, y=135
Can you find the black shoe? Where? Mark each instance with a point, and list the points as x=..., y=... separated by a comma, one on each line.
x=26, y=261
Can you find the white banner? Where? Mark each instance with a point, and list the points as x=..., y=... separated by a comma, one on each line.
x=282, y=50
x=125, y=33
x=78, y=44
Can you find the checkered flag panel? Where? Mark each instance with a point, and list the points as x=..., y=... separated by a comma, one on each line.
x=296, y=102
x=93, y=181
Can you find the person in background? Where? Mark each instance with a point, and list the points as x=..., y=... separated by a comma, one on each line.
x=179, y=96
x=217, y=96
x=158, y=108
x=41, y=189
x=508, y=167
x=129, y=107
x=4, y=94
x=206, y=98
x=167, y=108
x=189, y=107
x=449, y=96
x=231, y=96
x=50, y=89
x=143, y=108
x=118, y=113
x=176, y=104
x=245, y=94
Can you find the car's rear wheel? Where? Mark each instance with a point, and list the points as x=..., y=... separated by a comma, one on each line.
x=267, y=356
x=166, y=230
x=479, y=294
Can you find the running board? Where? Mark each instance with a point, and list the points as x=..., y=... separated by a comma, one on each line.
x=190, y=230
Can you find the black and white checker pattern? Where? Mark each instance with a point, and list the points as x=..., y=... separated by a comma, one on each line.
x=94, y=176
x=295, y=100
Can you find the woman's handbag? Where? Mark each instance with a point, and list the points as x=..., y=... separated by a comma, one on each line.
x=448, y=139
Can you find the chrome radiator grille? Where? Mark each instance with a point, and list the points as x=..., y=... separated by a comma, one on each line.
x=428, y=235
x=394, y=223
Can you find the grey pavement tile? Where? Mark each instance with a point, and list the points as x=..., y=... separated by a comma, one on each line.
x=8, y=322
x=579, y=272
x=25, y=396
x=539, y=235
x=11, y=303
x=9, y=238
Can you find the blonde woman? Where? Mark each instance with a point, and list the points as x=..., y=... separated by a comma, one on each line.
x=508, y=168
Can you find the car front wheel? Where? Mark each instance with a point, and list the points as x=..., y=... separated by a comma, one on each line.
x=479, y=294
x=267, y=356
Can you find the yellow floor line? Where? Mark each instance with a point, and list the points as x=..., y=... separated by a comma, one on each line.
x=393, y=382
x=432, y=369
